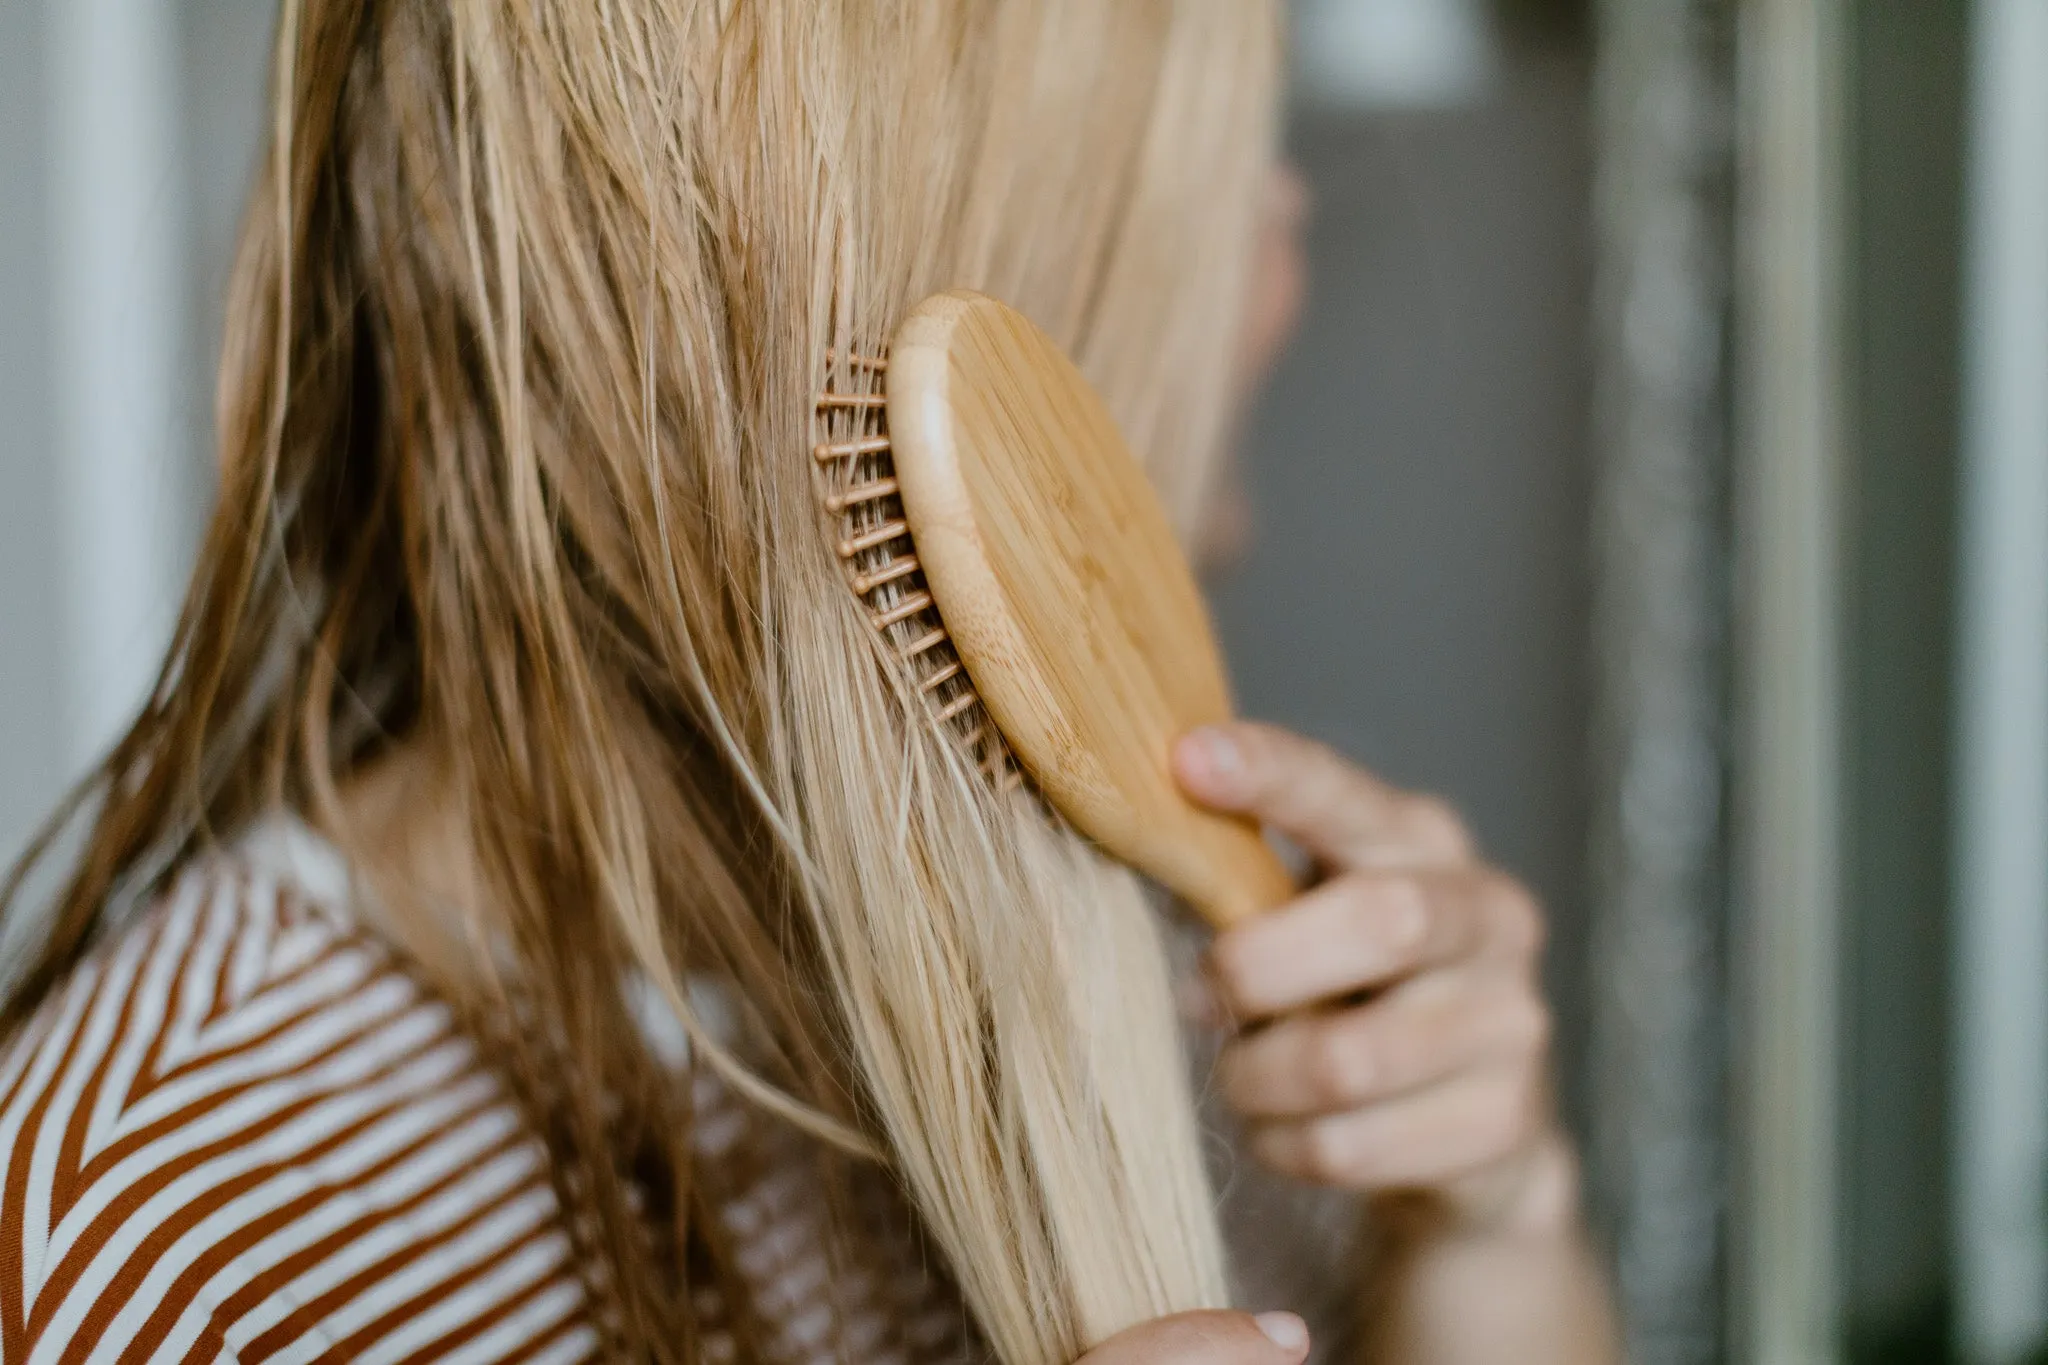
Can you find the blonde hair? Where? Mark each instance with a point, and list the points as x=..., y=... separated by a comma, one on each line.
x=516, y=405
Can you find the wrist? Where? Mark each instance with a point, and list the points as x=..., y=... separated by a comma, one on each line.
x=1532, y=1196
x=1545, y=1201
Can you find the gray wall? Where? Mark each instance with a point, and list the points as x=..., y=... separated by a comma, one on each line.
x=223, y=56
x=31, y=661
x=226, y=54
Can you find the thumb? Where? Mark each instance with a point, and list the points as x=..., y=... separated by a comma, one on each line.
x=1341, y=814
x=1208, y=1338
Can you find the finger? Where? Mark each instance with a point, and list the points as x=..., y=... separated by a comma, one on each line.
x=1366, y=929
x=1424, y=1034
x=1327, y=804
x=1429, y=1139
x=1209, y=1338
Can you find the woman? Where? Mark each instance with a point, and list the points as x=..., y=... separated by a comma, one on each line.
x=529, y=922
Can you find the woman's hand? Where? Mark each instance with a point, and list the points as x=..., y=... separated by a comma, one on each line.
x=1208, y=1339
x=1396, y=1036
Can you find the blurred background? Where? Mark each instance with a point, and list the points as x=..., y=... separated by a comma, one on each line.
x=1662, y=474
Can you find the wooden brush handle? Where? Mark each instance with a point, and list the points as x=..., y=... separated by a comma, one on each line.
x=1238, y=876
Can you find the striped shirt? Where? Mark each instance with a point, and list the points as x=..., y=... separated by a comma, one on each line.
x=243, y=1131
x=239, y=1133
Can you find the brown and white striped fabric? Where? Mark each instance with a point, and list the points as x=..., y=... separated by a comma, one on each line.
x=239, y=1133
x=242, y=1131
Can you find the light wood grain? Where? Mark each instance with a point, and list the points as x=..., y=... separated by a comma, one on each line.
x=1066, y=594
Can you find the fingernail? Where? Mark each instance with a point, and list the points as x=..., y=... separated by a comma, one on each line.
x=1284, y=1330
x=1220, y=753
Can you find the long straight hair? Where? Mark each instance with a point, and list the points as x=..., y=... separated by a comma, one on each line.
x=532, y=303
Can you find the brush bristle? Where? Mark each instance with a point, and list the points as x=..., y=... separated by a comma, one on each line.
x=858, y=474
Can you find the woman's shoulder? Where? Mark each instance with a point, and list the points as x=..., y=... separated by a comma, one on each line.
x=241, y=1129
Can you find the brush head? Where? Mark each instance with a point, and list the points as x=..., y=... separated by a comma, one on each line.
x=1065, y=593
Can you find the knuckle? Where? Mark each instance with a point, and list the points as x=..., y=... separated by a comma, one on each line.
x=1536, y=1026
x=1388, y=913
x=1507, y=1118
x=1433, y=821
x=1526, y=1110
x=1340, y=1068
x=1329, y=1154
x=1520, y=916
x=1385, y=911
x=1406, y=907
x=1400, y=1053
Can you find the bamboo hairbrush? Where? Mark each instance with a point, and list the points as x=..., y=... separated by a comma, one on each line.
x=1006, y=541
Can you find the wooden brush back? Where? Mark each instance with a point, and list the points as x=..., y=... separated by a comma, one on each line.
x=1065, y=592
